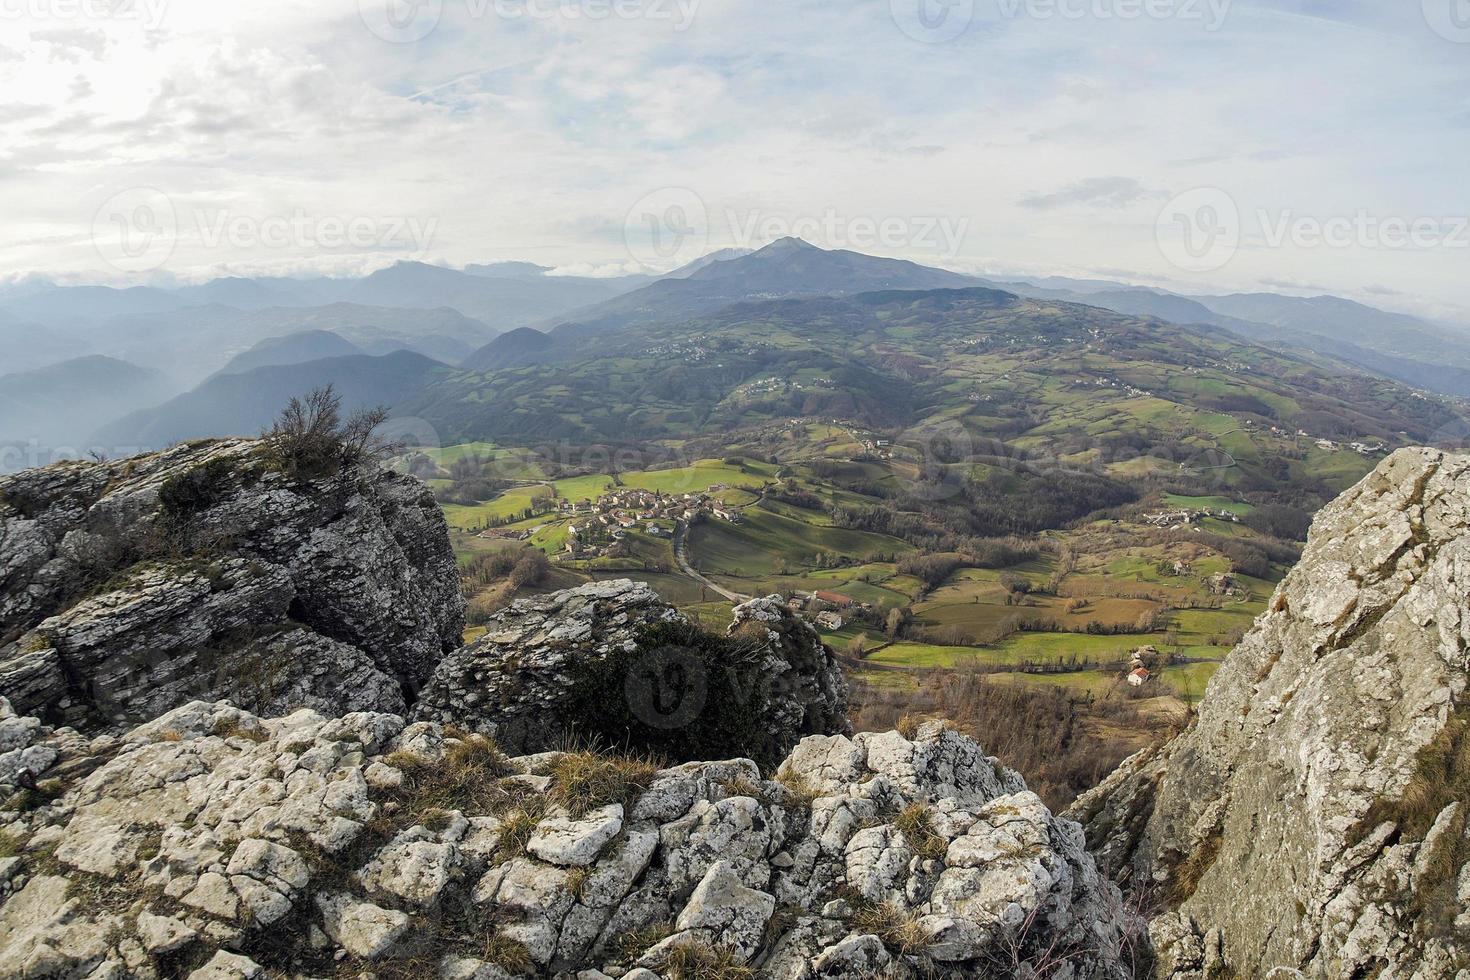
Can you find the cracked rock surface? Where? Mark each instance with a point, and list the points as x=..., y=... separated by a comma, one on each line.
x=212, y=843
x=1276, y=825
x=129, y=587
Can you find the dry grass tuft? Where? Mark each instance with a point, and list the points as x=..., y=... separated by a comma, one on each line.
x=506, y=953
x=465, y=779
x=801, y=791
x=1185, y=878
x=584, y=781
x=698, y=962
x=908, y=726
x=740, y=786
x=233, y=729
x=516, y=829
x=916, y=824
x=899, y=930
x=632, y=944
x=577, y=882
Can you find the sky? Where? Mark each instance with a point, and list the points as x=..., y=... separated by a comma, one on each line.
x=1301, y=146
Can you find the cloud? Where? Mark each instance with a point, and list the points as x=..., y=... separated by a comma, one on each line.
x=1272, y=282
x=534, y=137
x=71, y=45
x=1377, y=290
x=1096, y=192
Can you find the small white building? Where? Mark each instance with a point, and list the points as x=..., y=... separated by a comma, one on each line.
x=829, y=620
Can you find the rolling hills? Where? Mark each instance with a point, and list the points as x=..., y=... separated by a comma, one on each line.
x=1010, y=376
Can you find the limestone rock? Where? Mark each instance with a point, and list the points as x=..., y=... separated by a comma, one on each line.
x=561, y=839
x=1273, y=823
x=130, y=587
x=363, y=929
x=260, y=847
x=521, y=682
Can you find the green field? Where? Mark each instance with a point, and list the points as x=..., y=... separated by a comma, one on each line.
x=767, y=544
x=1236, y=507
x=700, y=476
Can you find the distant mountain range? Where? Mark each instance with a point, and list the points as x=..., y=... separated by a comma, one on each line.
x=1393, y=345
x=246, y=403
x=468, y=335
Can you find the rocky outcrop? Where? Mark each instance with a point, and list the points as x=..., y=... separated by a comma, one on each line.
x=212, y=843
x=614, y=663
x=1314, y=817
x=130, y=587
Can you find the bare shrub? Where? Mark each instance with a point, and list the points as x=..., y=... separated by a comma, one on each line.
x=310, y=440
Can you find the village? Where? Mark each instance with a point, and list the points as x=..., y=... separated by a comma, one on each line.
x=620, y=510
x=598, y=525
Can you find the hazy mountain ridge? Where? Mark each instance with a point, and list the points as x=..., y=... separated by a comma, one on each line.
x=294, y=348
x=58, y=405
x=788, y=267
x=245, y=404
x=193, y=342
x=1394, y=345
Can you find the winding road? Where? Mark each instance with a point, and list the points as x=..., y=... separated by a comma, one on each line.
x=681, y=534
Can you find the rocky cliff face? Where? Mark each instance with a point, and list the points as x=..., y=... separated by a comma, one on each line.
x=211, y=844
x=1315, y=815
x=614, y=663
x=130, y=587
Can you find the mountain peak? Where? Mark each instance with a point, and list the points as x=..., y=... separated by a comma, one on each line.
x=789, y=244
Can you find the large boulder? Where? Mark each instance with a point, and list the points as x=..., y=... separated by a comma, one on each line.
x=1315, y=816
x=130, y=587
x=613, y=663
x=213, y=842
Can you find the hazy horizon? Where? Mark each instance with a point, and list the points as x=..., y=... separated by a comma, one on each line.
x=1299, y=146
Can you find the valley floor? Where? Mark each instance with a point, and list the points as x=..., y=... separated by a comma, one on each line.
x=1057, y=635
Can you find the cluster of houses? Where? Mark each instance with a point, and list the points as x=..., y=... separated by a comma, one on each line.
x=1176, y=519
x=689, y=352
x=1331, y=445
x=1142, y=664
x=769, y=385
x=872, y=444
x=827, y=609
x=622, y=509
x=1131, y=390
